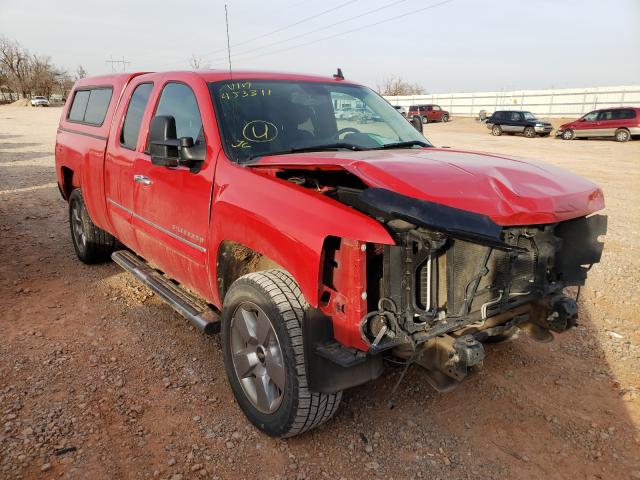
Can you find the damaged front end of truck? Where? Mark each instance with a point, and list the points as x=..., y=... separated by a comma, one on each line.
x=453, y=280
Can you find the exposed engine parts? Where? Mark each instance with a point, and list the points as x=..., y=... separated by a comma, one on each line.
x=453, y=279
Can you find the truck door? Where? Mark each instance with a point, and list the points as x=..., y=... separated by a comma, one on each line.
x=122, y=151
x=171, y=204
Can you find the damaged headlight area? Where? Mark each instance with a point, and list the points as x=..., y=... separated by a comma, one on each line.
x=455, y=279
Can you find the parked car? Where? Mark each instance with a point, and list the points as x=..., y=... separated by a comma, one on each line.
x=317, y=250
x=515, y=121
x=401, y=110
x=39, y=102
x=621, y=123
x=429, y=113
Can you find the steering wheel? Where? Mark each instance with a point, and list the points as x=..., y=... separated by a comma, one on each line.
x=342, y=131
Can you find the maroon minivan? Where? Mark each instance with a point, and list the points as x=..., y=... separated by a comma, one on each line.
x=621, y=123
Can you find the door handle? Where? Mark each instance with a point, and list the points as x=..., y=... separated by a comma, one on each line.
x=142, y=179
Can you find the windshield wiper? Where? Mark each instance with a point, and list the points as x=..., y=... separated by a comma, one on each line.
x=410, y=143
x=315, y=148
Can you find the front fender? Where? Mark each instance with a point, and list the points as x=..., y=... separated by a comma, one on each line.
x=284, y=222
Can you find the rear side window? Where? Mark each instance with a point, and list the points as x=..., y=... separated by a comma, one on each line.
x=133, y=118
x=90, y=105
x=79, y=105
x=625, y=114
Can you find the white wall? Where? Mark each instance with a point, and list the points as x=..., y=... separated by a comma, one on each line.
x=567, y=102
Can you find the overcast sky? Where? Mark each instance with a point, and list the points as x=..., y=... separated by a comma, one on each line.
x=458, y=45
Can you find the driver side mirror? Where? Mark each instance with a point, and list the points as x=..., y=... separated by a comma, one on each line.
x=165, y=148
x=416, y=121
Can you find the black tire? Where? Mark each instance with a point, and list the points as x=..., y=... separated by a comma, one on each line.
x=496, y=130
x=568, y=134
x=622, y=135
x=297, y=409
x=529, y=132
x=445, y=118
x=92, y=244
x=425, y=120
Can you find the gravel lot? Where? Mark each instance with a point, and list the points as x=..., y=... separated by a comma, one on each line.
x=100, y=379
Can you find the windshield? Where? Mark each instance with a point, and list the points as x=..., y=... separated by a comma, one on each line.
x=529, y=116
x=266, y=117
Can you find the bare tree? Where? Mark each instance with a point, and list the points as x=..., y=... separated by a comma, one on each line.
x=15, y=61
x=44, y=76
x=395, y=85
x=28, y=75
x=197, y=63
x=80, y=72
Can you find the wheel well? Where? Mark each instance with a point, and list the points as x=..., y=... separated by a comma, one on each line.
x=67, y=182
x=235, y=260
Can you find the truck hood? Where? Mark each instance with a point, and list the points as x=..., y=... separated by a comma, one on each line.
x=509, y=190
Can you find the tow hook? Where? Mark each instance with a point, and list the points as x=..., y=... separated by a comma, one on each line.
x=560, y=315
x=447, y=360
x=564, y=313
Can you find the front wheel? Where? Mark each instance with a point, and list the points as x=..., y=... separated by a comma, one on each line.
x=567, y=135
x=445, y=118
x=92, y=244
x=529, y=132
x=496, y=131
x=264, y=355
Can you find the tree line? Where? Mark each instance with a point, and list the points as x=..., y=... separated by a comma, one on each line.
x=395, y=85
x=23, y=74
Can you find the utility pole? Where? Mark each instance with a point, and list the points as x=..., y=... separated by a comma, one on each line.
x=113, y=63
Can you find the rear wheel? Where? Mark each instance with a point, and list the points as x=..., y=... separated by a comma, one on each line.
x=92, y=244
x=568, y=134
x=496, y=131
x=622, y=135
x=264, y=355
x=529, y=132
x=425, y=120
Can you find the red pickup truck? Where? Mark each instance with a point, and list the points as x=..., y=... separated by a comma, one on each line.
x=316, y=245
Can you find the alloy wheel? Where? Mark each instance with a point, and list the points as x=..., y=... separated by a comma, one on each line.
x=78, y=226
x=622, y=136
x=257, y=357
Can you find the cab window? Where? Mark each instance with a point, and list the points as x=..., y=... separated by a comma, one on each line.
x=133, y=117
x=179, y=101
x=590, y=117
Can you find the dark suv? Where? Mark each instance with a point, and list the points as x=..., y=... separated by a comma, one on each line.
x=514, y=121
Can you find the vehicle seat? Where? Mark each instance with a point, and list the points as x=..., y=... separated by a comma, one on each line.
x=301, y=129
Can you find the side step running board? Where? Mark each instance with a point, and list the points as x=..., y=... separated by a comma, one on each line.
x=192, y=308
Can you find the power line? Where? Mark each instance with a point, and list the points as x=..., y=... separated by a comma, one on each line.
x=354, y=29
x=364, y=14
x=286, y=27
x=113, y=62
